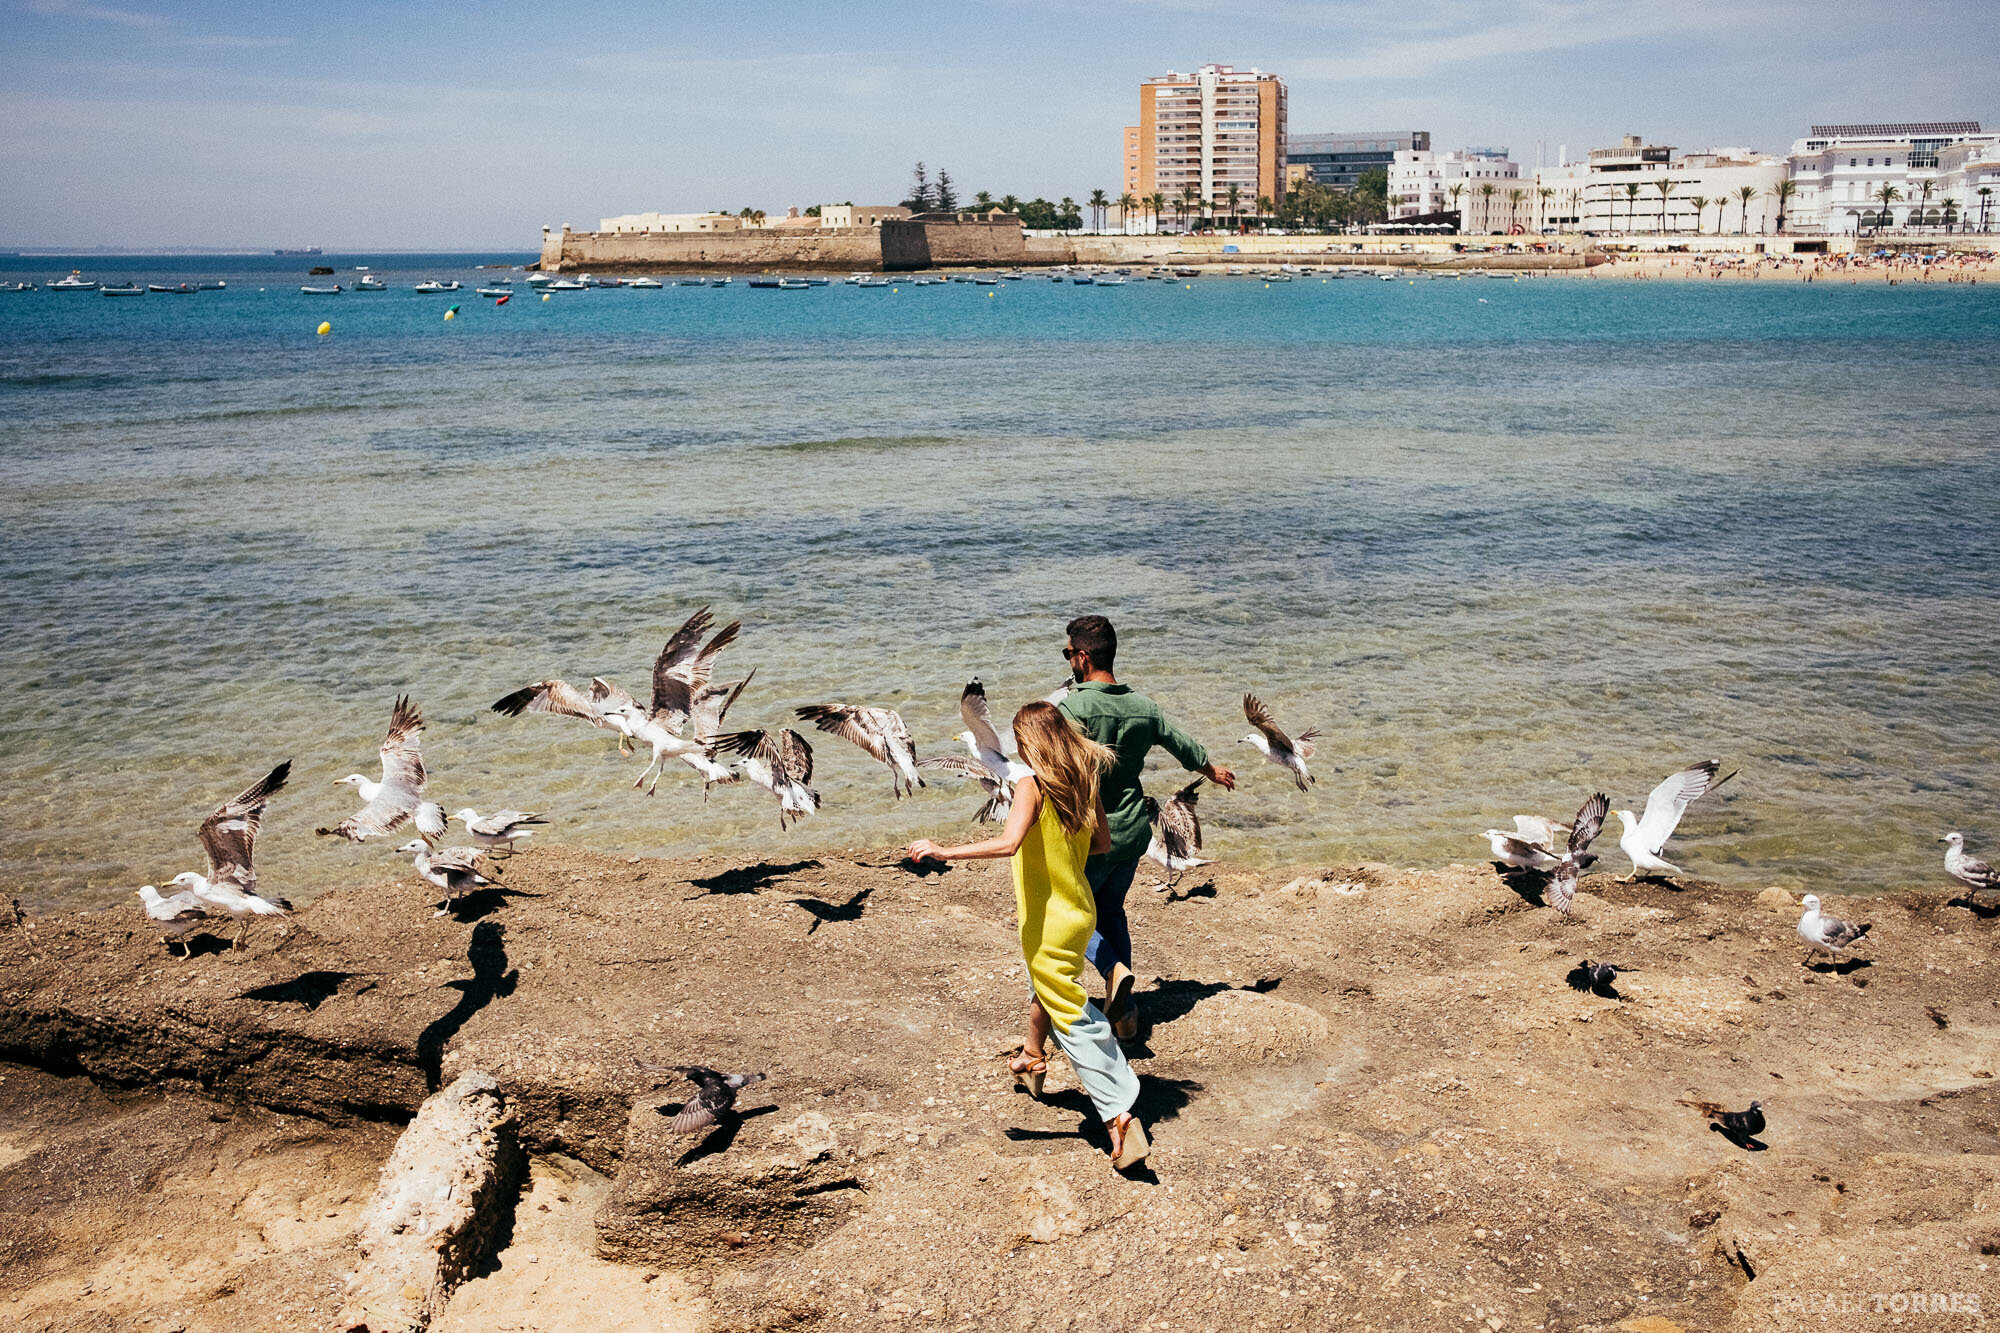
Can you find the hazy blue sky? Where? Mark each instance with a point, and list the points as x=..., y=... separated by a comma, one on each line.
x=354, y=125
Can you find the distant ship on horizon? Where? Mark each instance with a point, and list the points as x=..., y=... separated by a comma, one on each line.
x=308, y=250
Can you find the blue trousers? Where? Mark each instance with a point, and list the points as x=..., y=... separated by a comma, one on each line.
x=1112, y=941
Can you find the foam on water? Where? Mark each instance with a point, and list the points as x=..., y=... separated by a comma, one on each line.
x=1501, y=553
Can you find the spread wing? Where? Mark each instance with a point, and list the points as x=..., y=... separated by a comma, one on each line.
x=978, y=717
x=795, y=757
x=1179, y=826
x=1539, y=832
x=1589, y=823
x=402, y=789
x=229, y=834
x=699, y=1111
x=1561, y=892
x=712, y=703
x=683, y=667
x=562, y=698
x=1525, y=850
x=1260, y=718
x=1670, y=800
x=869, y=728
x=502, y=820
x=962, y=766
x=456, y=858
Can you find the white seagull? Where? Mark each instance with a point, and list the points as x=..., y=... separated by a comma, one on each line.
x=1276, y=746
x=680, y=676
x=1576, y=853
x=1645, y=836
x=782, y=764
x=501, y=829
x=879, y=731
x=453, y=869
x=982, y=738
x=228, y=836
x=1176, y=831
x=1968, y=870
x=1531, y=846
x=399, y=797
x=999, y=794
x=177, y=918
x=1830, y=933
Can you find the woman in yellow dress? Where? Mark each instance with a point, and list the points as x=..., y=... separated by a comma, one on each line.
x=1057, y=821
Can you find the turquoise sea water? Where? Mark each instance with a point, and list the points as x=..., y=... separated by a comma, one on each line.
x=1504, y=542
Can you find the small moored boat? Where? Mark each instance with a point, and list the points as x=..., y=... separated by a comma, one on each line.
x=493, y=291
x=17, y=287
x=433, y=285
x=181, y=290
x=128, y=289
x=334, y=290
x=371, y=283
x=75, y=282
x=646, y=284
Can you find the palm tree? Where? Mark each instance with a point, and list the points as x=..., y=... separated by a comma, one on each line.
x=1985, y=197
x=1157, y=204
x=1454, y=192
x=1010, y=204
x=1187, y=204
x=1264, y=206
x=1782, y=192
x=1235, y=201
x=1486, y=192
x=1888, y=194
x=1068, y=212
x=1631, y=202
x=1700, y=203
x=1743, y=198
x=1126, y=203
x=983, y=200
x=1923, y=209
x=1099, y=201
x=1950, y=212
x=1666, y=189
x=1513, y=207
x=1545, y=194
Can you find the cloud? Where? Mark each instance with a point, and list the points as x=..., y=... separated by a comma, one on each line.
x=130, y=18
x=225, y=42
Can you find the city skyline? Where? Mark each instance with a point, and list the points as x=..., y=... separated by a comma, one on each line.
x=223, y=123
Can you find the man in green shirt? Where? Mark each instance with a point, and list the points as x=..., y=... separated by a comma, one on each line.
x=1131, y=725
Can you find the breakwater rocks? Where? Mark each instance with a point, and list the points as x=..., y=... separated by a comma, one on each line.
x=1376, y=1099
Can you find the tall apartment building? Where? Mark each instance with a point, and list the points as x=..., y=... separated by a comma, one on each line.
x=1215, y=128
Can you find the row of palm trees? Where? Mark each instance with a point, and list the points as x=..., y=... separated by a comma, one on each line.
x=1187, y=204
x=1783, y=192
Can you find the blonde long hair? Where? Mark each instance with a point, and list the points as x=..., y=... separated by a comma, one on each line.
x=1067, y=763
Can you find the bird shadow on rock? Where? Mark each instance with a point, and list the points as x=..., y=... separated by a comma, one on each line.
x=718, y=1139
x=1744, y=1141
x=1971, y=903
x=311, y=989
x=491, y=979
x=823, y=911
x=1202, y=890
x=204, y=945
x=1529, y=884
x=1840, y=968
x=1579, y=979
x=749, y=879
x=481, y=903
x=1168, y=1000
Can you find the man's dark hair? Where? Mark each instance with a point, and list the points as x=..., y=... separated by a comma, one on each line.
x=1095, y=636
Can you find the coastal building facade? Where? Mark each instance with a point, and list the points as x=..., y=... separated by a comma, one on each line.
x=859, y=215
x=1893, y=175
x=1340, y=160
x=1422, y=182
x=1651, y=189
x=1205, y=133
x=670, y=222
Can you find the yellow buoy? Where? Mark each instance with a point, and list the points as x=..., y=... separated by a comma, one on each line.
x=451, y=314
x=1188, y=286
x=545, y=296
x=326, y=327
x=989, y=296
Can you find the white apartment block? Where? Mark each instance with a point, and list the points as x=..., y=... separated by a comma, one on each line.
x=1640, y=188
x=1841, y=172
x=1432, y=182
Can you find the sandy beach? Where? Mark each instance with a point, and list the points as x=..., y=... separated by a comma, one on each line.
x=1376, y=1100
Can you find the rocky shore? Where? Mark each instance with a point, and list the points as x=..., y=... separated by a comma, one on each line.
x=1376, y=1099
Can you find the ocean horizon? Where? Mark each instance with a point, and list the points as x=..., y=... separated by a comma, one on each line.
x=1505, y=543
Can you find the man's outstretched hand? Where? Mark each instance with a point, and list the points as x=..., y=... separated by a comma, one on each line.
x=1220, y=776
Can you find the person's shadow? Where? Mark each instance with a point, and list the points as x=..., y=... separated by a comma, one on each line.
x=491, y=980
x=1160, y=1100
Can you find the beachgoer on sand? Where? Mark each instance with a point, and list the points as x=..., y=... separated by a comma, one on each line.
x=1057, y=820
x=1130, y=725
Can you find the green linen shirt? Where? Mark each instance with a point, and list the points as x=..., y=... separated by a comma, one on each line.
x=1131, y=725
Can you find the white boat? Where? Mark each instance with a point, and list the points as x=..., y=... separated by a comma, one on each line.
x=214, y=286
x=792, y=284
x=1111, y=282
x=17, y=287
x=871, y=282
x=1082, y=280
x=433, y=285
x=563, y=285
x=690, y=282
x=539, y=279
x=493, y=291
x=73, y=283
x=334, y=290
x=718, y=282
x=183, y=289
x=649, y=284
x=129, y=289
x=371, y=283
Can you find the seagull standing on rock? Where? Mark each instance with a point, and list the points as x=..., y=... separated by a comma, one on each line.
x=453, y=869
x=1576, y=855
x=229, y=836
x=1968, y=870
x=1830, y=933
x=1644, y=837
x=178, y=918
x=1532, y=844
x=398, y=798
x=1286, y=752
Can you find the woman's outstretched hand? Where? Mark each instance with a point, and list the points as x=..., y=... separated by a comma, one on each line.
x=923, y=849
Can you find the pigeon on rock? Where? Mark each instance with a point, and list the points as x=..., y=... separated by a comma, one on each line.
x=1734, y=1124
x=714, y=1098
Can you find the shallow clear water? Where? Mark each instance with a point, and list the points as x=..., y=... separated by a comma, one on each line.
x=1504, y=542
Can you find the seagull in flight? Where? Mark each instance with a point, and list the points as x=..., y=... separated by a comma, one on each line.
x=879, y=731
x=603, y=706
x=1646, y=835
x=1970, y=871
x=1176, y=831
x=1276, y=746
x=453, y=869
x=1532, y=845
x=999, y=793
x=228, y=836
x=714, y=1098
x=1576, y=854
x=781, y=763
x=178, y=918
x=501, y=829
x=1830, y=933
x=399, y=797
x=982, y=738
x=680, y=675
